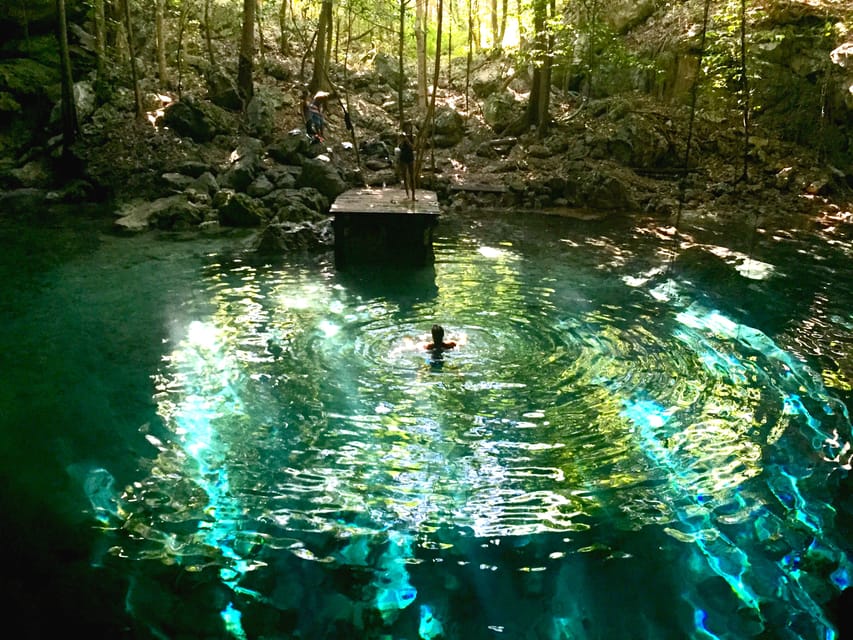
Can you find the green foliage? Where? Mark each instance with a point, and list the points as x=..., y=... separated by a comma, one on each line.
x=8, y=103
x=25, y=76
x=785, y=66
x=591, y=52
x=721, y=61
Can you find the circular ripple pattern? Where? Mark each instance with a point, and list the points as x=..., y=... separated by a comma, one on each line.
x=581, y=400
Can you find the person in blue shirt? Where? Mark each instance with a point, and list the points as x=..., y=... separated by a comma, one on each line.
x=316, y=113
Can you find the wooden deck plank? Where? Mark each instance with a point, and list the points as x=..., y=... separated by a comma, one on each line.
x=385, y=200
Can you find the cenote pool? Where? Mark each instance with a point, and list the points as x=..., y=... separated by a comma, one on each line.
x=634, y=438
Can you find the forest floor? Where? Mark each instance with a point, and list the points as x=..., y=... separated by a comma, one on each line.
x=783, y=180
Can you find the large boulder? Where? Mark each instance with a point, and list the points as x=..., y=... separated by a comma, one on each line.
x=500, y=110
x=288, y=237
x=291, y=149
x=194, y=119
x=239, y=209
x=173, y=213
x=222, y=91
x=449, y=127
x=243, y=165
x=260, y=113
x=388, y=69
x=323, y=176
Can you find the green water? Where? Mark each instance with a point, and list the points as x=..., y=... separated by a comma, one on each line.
x=199, y=443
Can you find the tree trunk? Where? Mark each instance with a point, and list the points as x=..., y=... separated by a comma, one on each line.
x=245, y=65
x=429, y=124
x=493, y=11
x=321, y=48
x=534, y=106
x=330, y=32
x=400, y=67
x=262, y=46
x=100, y=37
x=179, y=58
x=26, y=25
x=449, y=56
x=420, y=44
x=134, y=75
x=208, y=38
x=284, y=43
x=478, y=28
x=119, y=31
x=502, y=30
x=160, y=38
x=592, y=15
x=69, y=108
x=543, y=117
x=519, y=12
x=744, y=79
x=470, y=57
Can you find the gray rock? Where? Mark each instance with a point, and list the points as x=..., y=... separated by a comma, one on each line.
x=323, y=176
x=205, y=183
x=196, y=120
x=22, y=201
x=34, y=174
x=239, y=209
x=172, y=212
x=388, y=69
x=260, y=187
x=194, y=168
x=261, y=111
x=243, y=166
x=176, y=181
x=292, y=149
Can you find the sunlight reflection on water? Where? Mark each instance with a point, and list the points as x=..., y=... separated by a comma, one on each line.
x=581, y=405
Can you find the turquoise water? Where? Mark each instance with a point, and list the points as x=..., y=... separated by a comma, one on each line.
x=622, y=445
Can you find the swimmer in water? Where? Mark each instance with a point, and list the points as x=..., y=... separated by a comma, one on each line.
x=438, y=344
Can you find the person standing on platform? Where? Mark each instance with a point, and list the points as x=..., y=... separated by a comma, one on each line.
x=407, y=161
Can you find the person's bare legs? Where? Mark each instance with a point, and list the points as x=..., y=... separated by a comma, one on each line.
x=409, y=180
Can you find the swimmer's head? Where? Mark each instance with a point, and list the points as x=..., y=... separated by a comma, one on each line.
x=437, y=333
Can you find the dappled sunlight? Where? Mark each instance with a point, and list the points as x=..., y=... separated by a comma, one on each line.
x=586, y=413
x=155, y=116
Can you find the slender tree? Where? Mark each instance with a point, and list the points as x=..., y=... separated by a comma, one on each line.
x=400, y=68
x=26, y=20
x=208, y=37
x=284, y=43
x=182, y=27
x=321, y=48
x=470, y=56
x=543, y=117
x=539, y=83
x=134, y=75
x=245, y=63
x=494, y=22
x=69, y=110
x=429, y=119
x=744, y=87
x=100, y=36
x=160, y=40
x=420, y=45
x=262, y=46
x=502, y=29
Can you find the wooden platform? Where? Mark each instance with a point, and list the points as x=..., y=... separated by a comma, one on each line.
x=383, y=226
x=385, y=200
